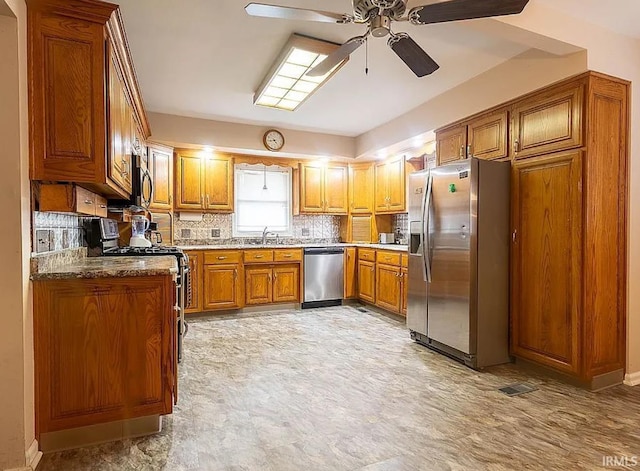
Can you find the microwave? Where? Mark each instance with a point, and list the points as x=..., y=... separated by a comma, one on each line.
x=141, y=181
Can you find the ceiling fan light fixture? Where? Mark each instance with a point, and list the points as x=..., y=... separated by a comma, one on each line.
x=287, y=86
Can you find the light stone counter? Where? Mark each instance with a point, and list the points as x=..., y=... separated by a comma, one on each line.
x=400, y=248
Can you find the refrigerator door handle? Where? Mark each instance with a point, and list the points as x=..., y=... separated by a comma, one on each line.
x=426, y=243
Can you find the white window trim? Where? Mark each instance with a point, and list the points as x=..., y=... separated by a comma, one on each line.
x=234, y=232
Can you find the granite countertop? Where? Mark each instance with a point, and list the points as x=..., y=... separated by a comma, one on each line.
x=109, y=267
x=399, y=248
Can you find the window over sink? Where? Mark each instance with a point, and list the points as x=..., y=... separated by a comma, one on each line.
x=263, y=198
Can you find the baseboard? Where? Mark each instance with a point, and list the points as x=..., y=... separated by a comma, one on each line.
x=33, y=455
x=32, y=458
x=632, y=379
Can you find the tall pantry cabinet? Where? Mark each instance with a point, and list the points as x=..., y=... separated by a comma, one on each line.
x=569, y=211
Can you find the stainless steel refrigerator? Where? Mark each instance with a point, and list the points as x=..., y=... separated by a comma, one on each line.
x=458, y=301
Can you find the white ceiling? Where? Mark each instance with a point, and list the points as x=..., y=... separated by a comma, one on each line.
x=621, y=16
x=204, y=58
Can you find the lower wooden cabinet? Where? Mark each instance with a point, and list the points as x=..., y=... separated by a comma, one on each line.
x=222, y=287
x=350, y=269
x=274, y=284
x=388, y=289
x=286, y=284
x=367, y=281
x=104, y=350
x=404, y=283
x=196, y=265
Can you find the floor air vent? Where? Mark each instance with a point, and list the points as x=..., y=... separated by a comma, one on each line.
x=362, y=309
x=517, y=389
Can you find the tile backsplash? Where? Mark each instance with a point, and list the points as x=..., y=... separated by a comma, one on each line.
x=56, y=231
x=216, y=229
x=400, y=222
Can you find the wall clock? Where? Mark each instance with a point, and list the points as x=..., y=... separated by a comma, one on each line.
x=273, y=140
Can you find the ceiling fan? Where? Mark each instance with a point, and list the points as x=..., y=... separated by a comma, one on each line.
x=378, y=16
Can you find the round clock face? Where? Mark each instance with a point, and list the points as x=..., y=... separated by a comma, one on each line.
x=273, y=140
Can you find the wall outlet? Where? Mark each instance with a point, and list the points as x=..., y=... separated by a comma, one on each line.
x=215, y=233
x=305, y=232
x=185, y=233
x=43, y=240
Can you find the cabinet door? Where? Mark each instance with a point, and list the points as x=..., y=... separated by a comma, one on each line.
x=104, y=350
x=404, y=280
x=67, y=98
x=222, y=288
x=189, y=182
x=219, y=183
x=367, y=281
x=396, y=179
x=286, y=284
x=451, y=144
x=361, y=186
x=350, y=280
x=258, y=285
x=161, y=167
x=195, y=267
x=381, y=188
x=311, y=188
x=336, y=189
x=487, y=136
x=116, y=162
x=388, y=287
x=546, y=260
x=549, y=122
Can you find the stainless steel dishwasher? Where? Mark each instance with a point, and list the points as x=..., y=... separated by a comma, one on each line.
x=323, y=276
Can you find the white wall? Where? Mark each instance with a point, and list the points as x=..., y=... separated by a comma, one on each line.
x=16, y=336
x=180, y=131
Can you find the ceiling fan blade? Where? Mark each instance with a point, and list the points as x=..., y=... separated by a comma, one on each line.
x=290, y=13
x=455, y=10
x=337, y=56
x=412, y=54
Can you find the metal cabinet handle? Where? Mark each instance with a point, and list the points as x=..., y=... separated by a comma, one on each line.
x=103, y=206
x=287, y=255
x=514, y=236
x=259, y=256
x=222, y=258
x=235, y=273
x=208, y=201
x=88, y=202
x=462, y=152
x=516, y=146
x=170, y=199
x=469, y=154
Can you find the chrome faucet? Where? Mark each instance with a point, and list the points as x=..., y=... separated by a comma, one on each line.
x=265, y=233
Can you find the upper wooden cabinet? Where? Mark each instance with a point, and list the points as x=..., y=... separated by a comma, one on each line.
x=390, y=186
x=84, y=102
x=488, y=136
x=161, y=168
x=203, y=182
x=451, y=144
x=548, y=122
x=324, y=188
x=361, y=187
x=484, y=137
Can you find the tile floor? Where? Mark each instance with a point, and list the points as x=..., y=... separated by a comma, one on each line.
x=338, y=389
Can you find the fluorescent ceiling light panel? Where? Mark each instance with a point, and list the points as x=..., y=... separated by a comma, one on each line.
x=286, y=86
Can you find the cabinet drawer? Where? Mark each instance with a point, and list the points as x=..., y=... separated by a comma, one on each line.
x=389, y=258
x=287, y=255
x=258, y=256
x=85, y=201
x=367, y=254
x=218, y=257
x=101, y=206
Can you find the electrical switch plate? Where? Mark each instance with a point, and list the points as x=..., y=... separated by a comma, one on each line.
x=305, y=232
x=43, y=240
x=215, y=233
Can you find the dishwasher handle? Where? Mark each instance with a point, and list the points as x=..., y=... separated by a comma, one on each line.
x=324, y=250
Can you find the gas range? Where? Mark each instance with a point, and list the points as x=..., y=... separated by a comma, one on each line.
x=143, y=251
